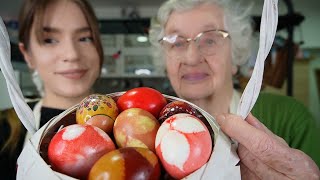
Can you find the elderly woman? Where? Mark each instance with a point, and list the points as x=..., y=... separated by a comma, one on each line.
x=203, y=43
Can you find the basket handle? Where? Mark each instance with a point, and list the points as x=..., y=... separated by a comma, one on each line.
x=22, y=109
x=268, y=29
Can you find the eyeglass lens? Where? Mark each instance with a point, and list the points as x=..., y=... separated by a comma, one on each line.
x=207, y=43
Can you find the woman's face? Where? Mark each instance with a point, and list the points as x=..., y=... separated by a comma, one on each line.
x=193, y=75
x=67, y=60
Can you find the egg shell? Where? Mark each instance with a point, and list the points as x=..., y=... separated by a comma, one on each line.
x=145, y=98
x=183, y=144
x=136, y=127
x=98, y=110
x=127, y=163
x=74, y=149
x=176, y=107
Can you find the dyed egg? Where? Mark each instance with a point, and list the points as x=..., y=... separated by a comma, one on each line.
x=176, y=107
x=74, y=149
x=127, y=163
x=183, y=144
x=97, y=110
x=136, y=127
x=145, y=98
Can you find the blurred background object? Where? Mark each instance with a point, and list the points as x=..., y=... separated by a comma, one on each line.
x=130, y=62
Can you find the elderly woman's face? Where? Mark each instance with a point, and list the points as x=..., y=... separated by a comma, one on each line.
x=194, y=73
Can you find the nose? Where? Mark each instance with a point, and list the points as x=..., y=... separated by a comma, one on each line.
x=193, y=55
x=71, y=52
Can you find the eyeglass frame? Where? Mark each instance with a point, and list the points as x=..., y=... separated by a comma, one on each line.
x=224, y=34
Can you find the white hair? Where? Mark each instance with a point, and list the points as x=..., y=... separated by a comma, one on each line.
x=236, y=17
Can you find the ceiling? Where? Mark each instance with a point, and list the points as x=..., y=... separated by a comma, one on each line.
x=10, y=8
x=126, y=2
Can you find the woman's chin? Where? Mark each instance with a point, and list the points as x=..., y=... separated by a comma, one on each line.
x=195, y=93
x=75, y=93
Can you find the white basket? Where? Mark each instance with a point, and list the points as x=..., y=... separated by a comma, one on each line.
x=33, y=162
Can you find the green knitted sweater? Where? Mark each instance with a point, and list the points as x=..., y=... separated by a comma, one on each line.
x=290, y=120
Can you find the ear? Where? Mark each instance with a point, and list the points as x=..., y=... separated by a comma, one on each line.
x=26, y=55
x=234, y=69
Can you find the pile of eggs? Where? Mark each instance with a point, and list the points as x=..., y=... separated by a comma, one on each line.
x=131, y=137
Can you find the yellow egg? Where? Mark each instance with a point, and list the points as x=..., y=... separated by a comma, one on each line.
x=98, y=110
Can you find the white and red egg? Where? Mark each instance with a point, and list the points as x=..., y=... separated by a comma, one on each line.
x=74, y=149
x=183, y=144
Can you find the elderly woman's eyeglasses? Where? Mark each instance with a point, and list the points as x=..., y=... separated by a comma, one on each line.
x=208, y=42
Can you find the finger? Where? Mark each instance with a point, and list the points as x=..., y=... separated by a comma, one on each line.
x=256, y=123
x=258, y=168
x=259, y=143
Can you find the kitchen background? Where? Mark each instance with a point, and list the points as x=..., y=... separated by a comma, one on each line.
x=129, y=61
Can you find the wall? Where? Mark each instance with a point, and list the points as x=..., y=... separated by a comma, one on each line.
x=308, y=30
x=5, y=101
x=309, y=27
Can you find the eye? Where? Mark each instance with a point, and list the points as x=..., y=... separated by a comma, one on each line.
x=49, y=41
x=207, y=40
x=179, y=43
x=210, y=41
x=86, y=39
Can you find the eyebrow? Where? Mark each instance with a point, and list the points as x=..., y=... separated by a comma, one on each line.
x=49, y=29
x=206, y=27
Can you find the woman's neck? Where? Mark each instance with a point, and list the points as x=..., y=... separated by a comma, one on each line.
x=215, y=104
x=61, y=102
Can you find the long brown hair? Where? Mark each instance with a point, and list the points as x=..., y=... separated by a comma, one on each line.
x=15, y=125
x=31, y=14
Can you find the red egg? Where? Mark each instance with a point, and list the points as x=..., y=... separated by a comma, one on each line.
x=145, y=98
x=127, y=163
x=136, y=127
x=183, y=144
x=176, y=107
x=75, y=148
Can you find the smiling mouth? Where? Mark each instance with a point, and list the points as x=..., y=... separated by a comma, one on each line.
x=73, y=74
x=195, y=76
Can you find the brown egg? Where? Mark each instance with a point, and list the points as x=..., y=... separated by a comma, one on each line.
x=136, y=127
x=126, y=163
x=98, y=110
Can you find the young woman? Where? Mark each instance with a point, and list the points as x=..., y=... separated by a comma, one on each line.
x=60, y=42
x=203, y=42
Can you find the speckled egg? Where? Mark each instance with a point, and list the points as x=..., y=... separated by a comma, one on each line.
x=97, y=110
